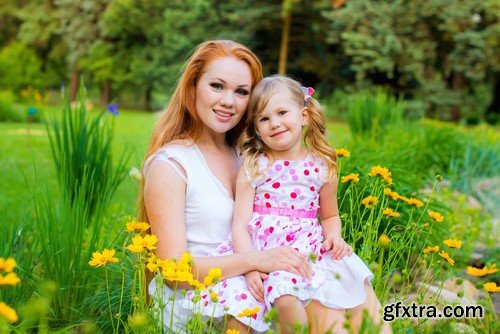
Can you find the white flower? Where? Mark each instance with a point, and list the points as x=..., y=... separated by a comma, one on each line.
x=135, y=174
x=476, y=18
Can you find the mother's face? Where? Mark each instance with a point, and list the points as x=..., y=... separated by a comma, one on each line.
x=222, y=93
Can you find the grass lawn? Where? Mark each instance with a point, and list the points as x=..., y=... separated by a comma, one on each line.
x=27, y=161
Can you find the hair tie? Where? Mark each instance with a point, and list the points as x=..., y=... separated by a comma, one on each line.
x=308, y=92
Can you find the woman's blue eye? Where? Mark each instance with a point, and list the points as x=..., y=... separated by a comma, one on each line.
x=216, y=85
x=242, y=92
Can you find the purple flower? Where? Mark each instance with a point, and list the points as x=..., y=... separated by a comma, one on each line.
x=113, y=109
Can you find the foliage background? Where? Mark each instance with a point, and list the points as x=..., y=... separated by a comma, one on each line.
x=440, y=54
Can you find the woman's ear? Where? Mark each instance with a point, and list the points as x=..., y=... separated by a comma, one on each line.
x=305, y=116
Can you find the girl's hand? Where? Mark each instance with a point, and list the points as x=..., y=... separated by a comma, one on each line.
x=254, y=281
x=339, y=248
x=283, y=258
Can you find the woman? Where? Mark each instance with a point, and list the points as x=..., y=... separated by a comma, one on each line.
x=190, y=178
x=191, y=166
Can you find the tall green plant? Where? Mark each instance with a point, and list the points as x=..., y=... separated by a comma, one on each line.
x=70, y=223
x=82, y=151
x=369, y=114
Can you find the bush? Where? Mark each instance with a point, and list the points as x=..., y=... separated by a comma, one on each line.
x=369, y=114
x=9, y=112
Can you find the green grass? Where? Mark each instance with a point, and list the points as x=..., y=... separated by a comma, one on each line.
x=24, y=146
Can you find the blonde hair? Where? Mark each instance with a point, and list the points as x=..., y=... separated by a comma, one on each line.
x=180, y=119
x=314, y=136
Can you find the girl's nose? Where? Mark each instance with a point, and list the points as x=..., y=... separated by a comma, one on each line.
x=275, y=122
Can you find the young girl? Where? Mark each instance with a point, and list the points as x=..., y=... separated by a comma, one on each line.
x=280, y=191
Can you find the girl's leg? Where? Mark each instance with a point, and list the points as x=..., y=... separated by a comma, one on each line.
x=290, y=313
x=373, y=308
x=325, y=320
x=232, y=323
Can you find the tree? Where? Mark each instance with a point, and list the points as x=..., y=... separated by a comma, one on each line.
x=436, y=50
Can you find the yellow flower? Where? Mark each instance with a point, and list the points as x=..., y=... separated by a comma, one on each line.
x=182, y=276
x=354, y=178
x=383, y=172
x=214, y=297
x=7, y=265
x=436, y=216
x=392, y=194
x=453, y=243
x=384, y=240
x=9, y=279
x=369, y=201
x=491, y=287
x=197, y=284
x=233, y=331
x=139, y=243
x=185, y=262
x=134, y=226
x=342, y=152
x=415, y=202
x=431, y=249
x=249, y=312
x=8, y=313
x=99, y=259
x=214, y=276
x=445, y=256
x=391, y=213
x=482, y=272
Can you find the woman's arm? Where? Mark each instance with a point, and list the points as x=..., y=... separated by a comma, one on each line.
x=165, y=200
x=330, y=221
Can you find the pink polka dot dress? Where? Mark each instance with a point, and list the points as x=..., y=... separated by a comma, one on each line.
x=286, y=207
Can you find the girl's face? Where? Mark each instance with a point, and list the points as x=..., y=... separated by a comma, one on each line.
x=280, y=124
x=222, y=94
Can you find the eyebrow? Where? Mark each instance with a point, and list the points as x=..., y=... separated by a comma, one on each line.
x=215, y=78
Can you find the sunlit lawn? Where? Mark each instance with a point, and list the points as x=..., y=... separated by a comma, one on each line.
x=27, y=163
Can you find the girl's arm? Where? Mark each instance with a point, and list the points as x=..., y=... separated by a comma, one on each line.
x=243, y=208
x=165, y=201
x=330, y=221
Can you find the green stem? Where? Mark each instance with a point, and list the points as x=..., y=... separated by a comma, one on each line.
x=115, y=330
x=173, y=305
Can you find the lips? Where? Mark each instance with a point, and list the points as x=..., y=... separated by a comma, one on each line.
x=279, y=133
x=223, y=113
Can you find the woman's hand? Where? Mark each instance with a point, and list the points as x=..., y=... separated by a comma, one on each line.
x=338, y=247
x=283, y=258
x=254, y=280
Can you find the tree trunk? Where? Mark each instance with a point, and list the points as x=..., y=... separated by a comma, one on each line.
x=285, y=35
x=148, y=97
x=457, y=84
x=493, y=111
x=73, y=83
x=105, y=93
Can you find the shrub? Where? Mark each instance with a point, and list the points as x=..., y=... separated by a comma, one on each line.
x=369, y=114
x=9, y=112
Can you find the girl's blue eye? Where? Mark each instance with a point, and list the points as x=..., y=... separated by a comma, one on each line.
x=216, y=85
x=263, y=119
x=281, y=113
x=242, y=92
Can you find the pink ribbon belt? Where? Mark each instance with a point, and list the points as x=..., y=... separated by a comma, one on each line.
x=285, y=212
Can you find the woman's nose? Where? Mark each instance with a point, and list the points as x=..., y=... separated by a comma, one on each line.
x=227, y=99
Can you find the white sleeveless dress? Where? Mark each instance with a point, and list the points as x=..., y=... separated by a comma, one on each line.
x=208, y=216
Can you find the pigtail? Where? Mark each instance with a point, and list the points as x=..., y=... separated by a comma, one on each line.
x=315, y=137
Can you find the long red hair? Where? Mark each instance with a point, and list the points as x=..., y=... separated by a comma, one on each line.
x=180, y=119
